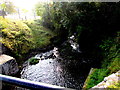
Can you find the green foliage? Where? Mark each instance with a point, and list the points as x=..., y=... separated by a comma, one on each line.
x=107, y=44
x=33, y=61
x=96, y=77
x=39, y=8
x=41, y=35
x=20, y=38
x=110, y=64
x=115, y=64
x=7, y=7
x=92, y=22
x=16, y=36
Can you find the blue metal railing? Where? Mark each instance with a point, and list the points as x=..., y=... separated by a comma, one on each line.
x=30, y=84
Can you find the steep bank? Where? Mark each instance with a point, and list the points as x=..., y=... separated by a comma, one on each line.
x=110, y=63
x=19, y=38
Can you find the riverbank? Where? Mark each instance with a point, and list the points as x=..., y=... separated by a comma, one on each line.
x=109, y=82
x=20, y=38
x=110, y=63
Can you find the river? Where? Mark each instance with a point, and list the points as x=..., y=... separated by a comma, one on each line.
x=55, y=70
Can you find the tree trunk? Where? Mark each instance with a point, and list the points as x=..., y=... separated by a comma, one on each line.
x=3, y=13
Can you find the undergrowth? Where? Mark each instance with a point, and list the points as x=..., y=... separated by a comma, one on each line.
x=41, y=35
x=20, y=37
x=16, y=36
x=110, y=63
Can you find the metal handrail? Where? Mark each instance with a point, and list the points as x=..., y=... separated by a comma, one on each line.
x=30, y=84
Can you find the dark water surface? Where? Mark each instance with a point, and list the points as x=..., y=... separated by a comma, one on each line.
x=56, y=71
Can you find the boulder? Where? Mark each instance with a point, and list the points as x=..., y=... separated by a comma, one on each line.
x=8, y=65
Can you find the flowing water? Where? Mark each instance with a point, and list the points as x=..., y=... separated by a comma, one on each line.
x=52, y=69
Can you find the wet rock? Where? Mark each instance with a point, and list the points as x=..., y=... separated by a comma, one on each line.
x=8, y=65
